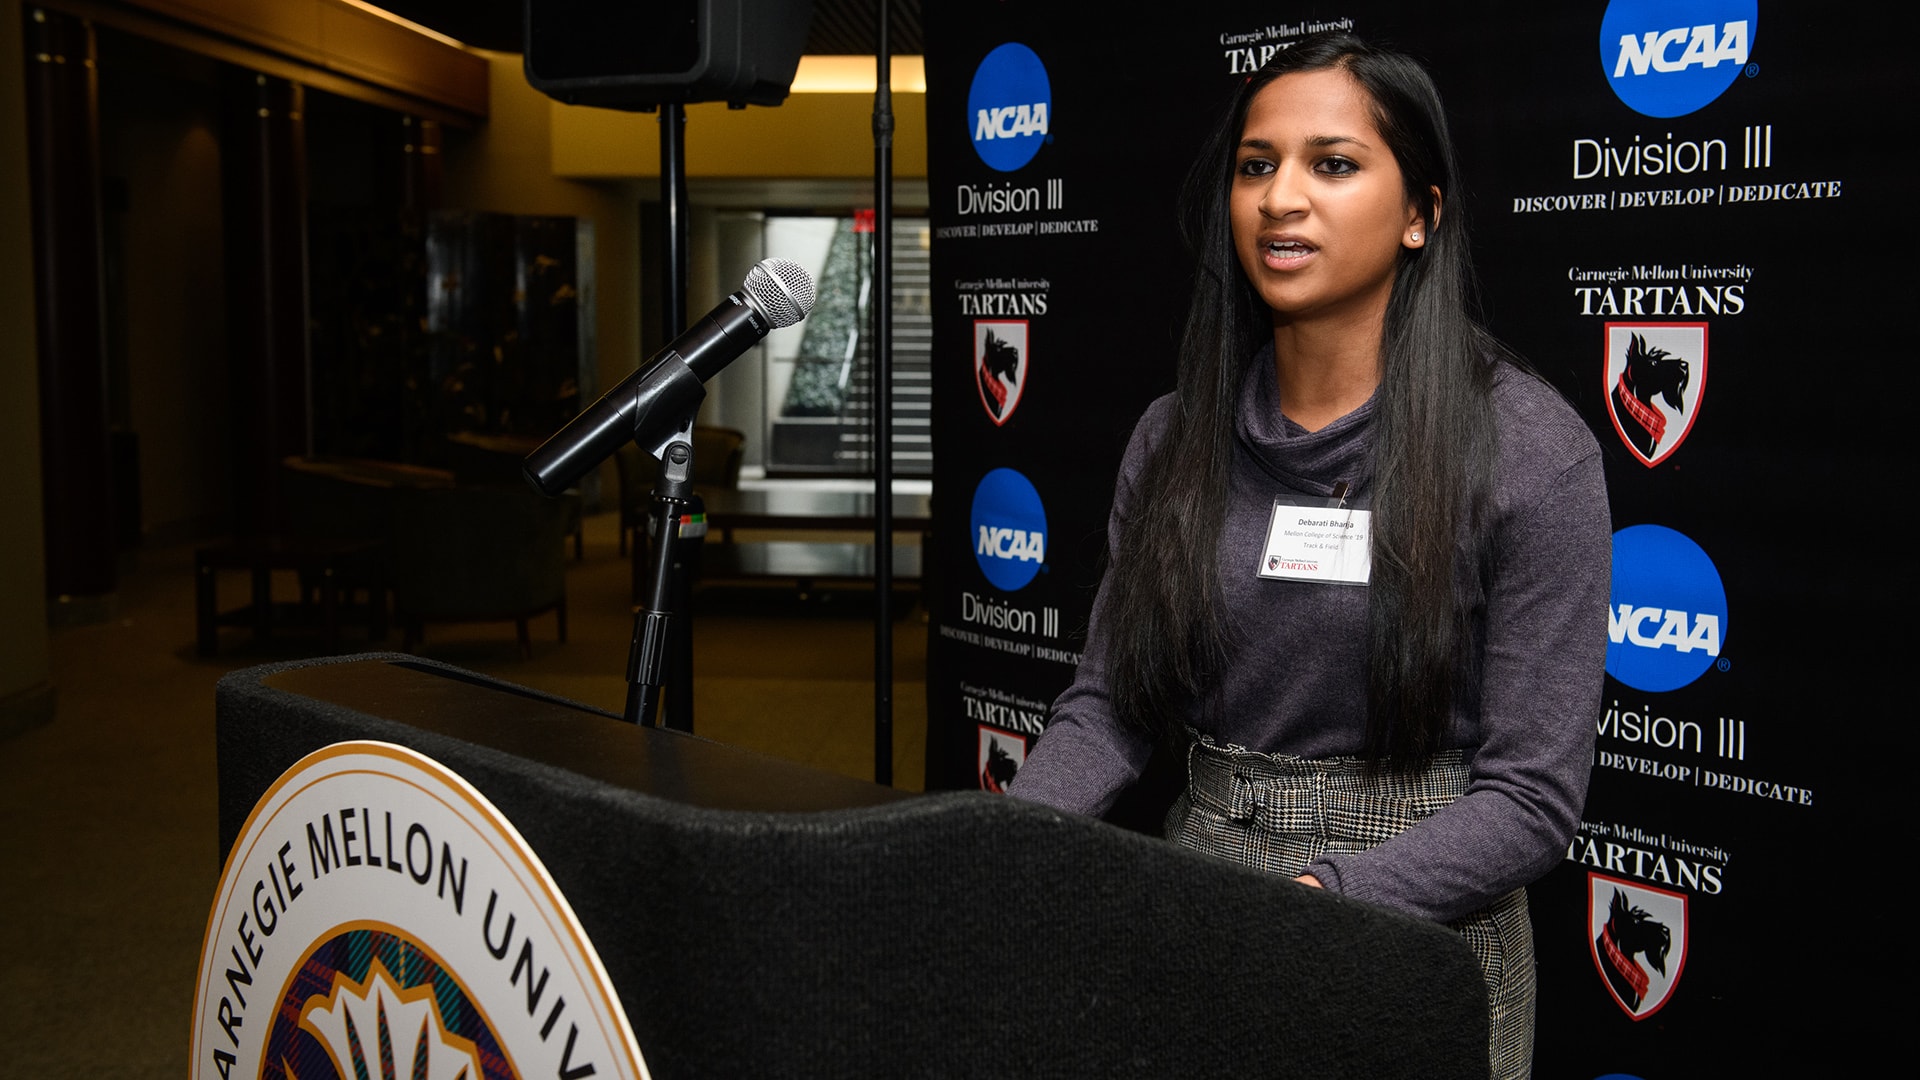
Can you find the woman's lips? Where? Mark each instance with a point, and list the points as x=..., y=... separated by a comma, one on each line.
x=1285, y=254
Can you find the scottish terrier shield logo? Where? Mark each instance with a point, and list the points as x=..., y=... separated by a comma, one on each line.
x=1001, y=755
x=1639, y=936
x=1000, y=365
x=1655, y=376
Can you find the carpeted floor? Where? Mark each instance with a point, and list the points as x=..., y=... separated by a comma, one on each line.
x=108, y=859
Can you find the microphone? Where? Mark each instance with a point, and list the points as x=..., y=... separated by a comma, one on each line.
x=651, y=405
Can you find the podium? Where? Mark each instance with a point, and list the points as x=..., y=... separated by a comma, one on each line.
x=760, y=918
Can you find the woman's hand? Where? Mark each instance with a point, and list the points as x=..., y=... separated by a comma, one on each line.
x=1309, y=879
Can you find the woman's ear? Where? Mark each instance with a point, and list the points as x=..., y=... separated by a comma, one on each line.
x=1417, y=230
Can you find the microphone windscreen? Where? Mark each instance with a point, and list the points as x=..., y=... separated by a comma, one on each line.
x=781, y=290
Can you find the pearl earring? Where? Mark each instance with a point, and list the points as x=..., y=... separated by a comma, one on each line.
x=1415, y=238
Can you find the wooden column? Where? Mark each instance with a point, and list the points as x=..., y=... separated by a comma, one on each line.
x=264, y=156
x=63, y=131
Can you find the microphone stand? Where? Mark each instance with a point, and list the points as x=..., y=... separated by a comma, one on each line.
x=654, y=624
x=656, y=632
x=645, y=662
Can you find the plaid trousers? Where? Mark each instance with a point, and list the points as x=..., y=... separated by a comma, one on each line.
x=1277, y=813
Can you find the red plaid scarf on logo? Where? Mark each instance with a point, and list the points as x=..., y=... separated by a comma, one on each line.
x=1643, y=414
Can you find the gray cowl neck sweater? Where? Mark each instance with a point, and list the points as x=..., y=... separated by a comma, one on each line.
x=1297, y=681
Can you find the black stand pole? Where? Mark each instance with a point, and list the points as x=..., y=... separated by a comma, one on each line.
x=657, y=633
x=673, y=188
x=882, y=353
x=655, y=626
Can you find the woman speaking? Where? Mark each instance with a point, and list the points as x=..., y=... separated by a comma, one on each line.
x=1359, y=557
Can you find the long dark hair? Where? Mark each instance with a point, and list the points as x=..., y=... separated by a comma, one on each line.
x=1433, y=437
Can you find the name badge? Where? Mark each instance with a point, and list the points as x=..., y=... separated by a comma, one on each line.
x=1316, y=543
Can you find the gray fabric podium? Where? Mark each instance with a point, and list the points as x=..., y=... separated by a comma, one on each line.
x=763, y=919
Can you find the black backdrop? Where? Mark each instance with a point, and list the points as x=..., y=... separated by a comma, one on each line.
x=1752, y=719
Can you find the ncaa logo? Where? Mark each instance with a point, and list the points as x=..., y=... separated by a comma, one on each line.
x=1672, y=57
x=1008, y=106
x=1668, y=611
x=1009, y=529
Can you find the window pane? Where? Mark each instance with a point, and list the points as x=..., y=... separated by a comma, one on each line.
x=819, y=400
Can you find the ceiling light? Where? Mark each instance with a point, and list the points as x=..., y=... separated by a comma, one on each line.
x=857, y=75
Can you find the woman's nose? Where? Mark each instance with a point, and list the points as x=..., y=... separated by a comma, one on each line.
x=1285, y=193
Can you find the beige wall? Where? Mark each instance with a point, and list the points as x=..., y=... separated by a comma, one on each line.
x=808, y=136
x=505, y=166
x=23, y=608
x=537, y=156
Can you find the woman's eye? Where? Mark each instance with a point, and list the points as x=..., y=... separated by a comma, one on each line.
x=1255, y=167
x=1338, y=167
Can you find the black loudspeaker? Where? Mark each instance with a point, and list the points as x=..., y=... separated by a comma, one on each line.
x=645, y=53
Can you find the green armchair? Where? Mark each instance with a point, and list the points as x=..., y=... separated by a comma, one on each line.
x=474, y=553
